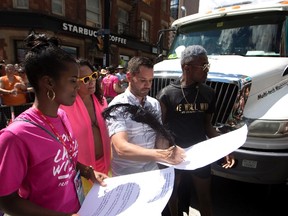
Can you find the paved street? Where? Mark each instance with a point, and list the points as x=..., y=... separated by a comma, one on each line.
x=233, y=198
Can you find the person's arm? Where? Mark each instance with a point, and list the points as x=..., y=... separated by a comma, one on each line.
x=134, y=152
x=209, y=129
x=30, y=89
x=176, y=151
x=90, y=174
x=163, y=111
x=229, y=160
x=117, y=87
x=5, y=91
x=20, y=85
x=14, y=205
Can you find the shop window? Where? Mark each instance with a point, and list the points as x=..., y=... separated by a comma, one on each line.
x=20, y=51
x=58, y=7
x=145, y=30
x=123, y=21
x=147, y=2
x=174, y=6
x=21, y=4
x=124, y=60
x=71, y=50
x=93, y=13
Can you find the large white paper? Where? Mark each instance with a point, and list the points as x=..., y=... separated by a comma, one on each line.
x=211, y=150
x=145, y=193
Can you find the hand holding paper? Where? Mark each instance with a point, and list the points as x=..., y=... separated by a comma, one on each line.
x=211, y=150
x=147, y=193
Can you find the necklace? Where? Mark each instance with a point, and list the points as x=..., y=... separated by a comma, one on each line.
x=69, y=146
x=185, y=95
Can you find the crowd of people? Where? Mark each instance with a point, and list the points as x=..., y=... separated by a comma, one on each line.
x=15, y=89
x=112, y=82
x=91, y=125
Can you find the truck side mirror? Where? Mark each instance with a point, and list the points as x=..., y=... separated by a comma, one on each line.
x=160, y=43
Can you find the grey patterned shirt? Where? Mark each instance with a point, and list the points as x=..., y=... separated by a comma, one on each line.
x=138, y=133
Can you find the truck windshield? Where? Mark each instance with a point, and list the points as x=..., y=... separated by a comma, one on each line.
x=251, y=36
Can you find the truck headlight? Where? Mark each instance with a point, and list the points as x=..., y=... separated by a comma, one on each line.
x=266, y=128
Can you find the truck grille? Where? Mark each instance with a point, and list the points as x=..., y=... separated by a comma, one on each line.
x=226, y=94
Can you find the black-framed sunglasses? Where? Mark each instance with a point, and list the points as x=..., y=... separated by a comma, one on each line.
x=87, y=79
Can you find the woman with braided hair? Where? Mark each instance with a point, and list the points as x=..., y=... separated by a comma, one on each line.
x=39, y=171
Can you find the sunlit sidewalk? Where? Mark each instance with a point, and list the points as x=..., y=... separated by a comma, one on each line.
x=192, y=212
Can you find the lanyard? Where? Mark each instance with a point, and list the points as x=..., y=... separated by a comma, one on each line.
x=69, y=149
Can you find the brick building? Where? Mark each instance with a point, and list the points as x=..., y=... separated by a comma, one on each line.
x=81, y=25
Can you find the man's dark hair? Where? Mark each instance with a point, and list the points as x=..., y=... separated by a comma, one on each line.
x=111, y=69
x=137, y=61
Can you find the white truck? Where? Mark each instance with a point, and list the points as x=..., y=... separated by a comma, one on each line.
x=247, y=47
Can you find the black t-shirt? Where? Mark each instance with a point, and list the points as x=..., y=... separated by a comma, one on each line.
x=186, y=110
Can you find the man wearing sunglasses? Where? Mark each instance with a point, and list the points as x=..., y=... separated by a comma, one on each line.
x=187, y=106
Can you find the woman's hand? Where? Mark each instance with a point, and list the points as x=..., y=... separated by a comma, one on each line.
x=98, y=177
x=89, y=173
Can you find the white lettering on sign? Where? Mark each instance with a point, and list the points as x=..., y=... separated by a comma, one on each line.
x=118, y=39
x=91, y=32
x=79, y=30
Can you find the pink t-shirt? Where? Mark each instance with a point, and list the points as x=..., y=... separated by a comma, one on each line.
x=37, y=165
x=107, y=84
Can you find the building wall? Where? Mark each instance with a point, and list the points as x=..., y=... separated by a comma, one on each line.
x=192, y=7
x=137, y=10
x=15, y=25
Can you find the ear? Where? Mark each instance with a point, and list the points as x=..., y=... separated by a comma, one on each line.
x=185, y=68
x=128, y=76
x=47, y=82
